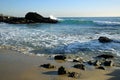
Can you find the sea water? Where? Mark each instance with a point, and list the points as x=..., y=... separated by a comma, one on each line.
x=71, y=35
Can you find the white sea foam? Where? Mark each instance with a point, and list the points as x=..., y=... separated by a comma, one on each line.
x=40, y=40
x=52, y=17
x=112, y=23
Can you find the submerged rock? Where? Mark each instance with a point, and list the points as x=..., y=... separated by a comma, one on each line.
x=61, y=71
x=103, y=39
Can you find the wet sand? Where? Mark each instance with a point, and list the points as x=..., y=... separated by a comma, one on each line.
x=17, y=66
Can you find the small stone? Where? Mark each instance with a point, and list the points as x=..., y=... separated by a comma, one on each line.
x=80, y=66
x=97, y=63
x=78, y=60
x=101, y=67
x=90, y=62
x=73, y=74
x=61, y=71
x=109, y=63
x=60, y=57
x=49, y=66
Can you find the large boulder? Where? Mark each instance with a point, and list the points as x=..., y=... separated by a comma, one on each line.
x=103, y=39
x=34, y=17
x=37, y=18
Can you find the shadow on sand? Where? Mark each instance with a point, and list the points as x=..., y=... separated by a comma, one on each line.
x=115, y=74
x=51, y=73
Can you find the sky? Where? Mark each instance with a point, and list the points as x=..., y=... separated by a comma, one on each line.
x=61, y=8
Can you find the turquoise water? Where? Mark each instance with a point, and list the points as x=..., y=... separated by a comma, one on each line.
x=72, y=35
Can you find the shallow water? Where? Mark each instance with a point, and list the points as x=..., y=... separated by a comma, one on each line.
x=69, y=36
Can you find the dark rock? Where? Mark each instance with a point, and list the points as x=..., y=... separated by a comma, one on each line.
x=60, y=57
x=35, y=17
x=73, y=74
x=103, y=39
x=79, y=66
x=101, y=67
x=49, y=66
x=109, y=63
x=105, y=56
x=78, y=60
x=74, y=60
x=90, y=62
x=30, y=17
x=61, y=71
x=15, y=20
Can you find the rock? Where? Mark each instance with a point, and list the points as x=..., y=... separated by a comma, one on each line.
x=61, y=71
x=60, y=57
x=105, y=56
x=30, y=17
x=101, y=67
x=73, y=74
x=15, y=20
x=90, y=62
x=78, y=60
x=103, y=39
x=35, y=17
x=49, y=66
x=80, y=66
x=109, y=63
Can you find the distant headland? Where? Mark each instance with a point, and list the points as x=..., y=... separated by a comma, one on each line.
x=30, y=17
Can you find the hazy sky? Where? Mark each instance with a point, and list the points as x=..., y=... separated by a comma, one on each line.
x=80, y=8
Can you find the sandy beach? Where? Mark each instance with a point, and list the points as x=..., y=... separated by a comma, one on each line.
x=17, y=66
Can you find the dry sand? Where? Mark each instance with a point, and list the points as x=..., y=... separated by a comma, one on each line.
x=17, y=66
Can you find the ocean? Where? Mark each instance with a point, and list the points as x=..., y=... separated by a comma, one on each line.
x=72, y=35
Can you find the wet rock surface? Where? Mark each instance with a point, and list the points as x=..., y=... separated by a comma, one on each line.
x=104, y=39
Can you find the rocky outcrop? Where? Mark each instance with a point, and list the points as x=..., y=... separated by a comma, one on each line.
x=30, y=17
x=103, y=39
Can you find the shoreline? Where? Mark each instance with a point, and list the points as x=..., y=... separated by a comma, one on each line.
x=18, y=66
